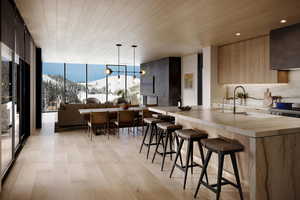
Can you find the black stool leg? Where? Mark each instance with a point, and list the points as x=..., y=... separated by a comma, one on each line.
x=202, y=158
x=171, y=141
x=155, y=132
x=208, y=156
x=177, y=143
x=150, y=141
x=187, y=162
x=236, y=172
x=160, y=139
x=145, y=136
x=192, y=154
x=165, y=151
x=177, y=155
x=220, y=171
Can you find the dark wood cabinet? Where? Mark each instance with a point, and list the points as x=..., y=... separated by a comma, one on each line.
x=285, y=48
x=162, y=80
x=8, y=14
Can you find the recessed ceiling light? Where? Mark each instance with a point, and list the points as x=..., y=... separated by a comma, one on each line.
x=237, y=34
x=283, y=21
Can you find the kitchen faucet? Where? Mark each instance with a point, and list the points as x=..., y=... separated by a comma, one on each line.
x=234, y=96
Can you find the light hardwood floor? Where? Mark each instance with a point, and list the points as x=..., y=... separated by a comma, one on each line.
x=68, y=165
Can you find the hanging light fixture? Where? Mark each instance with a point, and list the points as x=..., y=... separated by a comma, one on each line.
x=108, y=71
x=134, y=76
x=118, y=47
x=143, y=72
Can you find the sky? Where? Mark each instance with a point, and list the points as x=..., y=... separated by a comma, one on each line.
x=77, y=72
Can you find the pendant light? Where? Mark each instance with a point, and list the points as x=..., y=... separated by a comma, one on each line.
x=134, y=76
x=118, y=47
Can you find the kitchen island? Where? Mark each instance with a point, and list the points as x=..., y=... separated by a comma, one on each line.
x=269, y=166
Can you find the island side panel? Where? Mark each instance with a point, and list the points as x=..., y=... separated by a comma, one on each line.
x=276, y=171
x=243, y=158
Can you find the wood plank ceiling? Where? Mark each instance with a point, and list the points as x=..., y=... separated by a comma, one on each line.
x=86, y=31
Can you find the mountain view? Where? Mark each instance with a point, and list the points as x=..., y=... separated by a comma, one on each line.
x=54, y=92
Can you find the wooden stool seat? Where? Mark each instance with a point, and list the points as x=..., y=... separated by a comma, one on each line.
x=166, y=131
x=168, y=126
x=152, y=120
x=221, y=145
x=191, y=134
x=156, y=115
x=151, y=130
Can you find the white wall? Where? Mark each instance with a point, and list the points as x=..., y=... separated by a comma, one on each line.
x=290, y=92
x=212, y=91
x=189, y=64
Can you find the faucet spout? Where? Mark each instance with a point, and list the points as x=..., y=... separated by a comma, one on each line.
x=234, y=96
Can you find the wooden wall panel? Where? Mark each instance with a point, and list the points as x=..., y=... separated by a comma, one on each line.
x=248, y=62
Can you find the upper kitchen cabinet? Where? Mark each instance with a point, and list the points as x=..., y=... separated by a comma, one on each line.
x=162, y=80
x=8, y=13
x=248, y=62
x=285, y=47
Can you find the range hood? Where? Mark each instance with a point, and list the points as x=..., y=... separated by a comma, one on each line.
x=285, y=48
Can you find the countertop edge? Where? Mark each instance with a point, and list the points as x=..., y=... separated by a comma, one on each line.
x=248, y=133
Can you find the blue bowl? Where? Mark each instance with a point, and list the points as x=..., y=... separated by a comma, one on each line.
x=285, y=106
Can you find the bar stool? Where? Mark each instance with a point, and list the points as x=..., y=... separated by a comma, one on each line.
x=222, y=147
x=151, y=126
x=166, y=130
x=191, y=135
x=166, y=118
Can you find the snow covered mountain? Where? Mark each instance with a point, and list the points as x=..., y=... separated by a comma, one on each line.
x=114, y=83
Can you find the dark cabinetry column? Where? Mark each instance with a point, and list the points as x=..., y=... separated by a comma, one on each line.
x=162, y=80
x=39, y=88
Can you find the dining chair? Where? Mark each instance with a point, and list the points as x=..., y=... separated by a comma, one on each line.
x=125, y=119
x=98, y=120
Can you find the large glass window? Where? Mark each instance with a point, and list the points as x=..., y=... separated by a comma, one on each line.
x=133, y=84
x=74, y=83
x=97, y=82
x=116, y=84
x=53, y=86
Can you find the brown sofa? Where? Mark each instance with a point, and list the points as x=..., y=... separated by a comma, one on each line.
x=69, y=116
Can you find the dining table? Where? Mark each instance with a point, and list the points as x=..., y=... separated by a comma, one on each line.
x=95, y=110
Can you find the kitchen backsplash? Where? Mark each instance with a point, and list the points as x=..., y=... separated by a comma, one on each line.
x=290, y=92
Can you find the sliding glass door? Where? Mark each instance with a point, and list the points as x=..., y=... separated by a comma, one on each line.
x=15, y=105
x=6, y=114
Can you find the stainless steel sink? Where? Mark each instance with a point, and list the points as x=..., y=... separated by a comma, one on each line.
x=250, y=114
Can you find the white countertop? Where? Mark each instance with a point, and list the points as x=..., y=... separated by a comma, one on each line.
x=253, y=124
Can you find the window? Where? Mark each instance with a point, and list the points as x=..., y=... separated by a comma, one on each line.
x=75, y=91
x=133, y=85
x=74, y=83
x=116, y=84
x=53, y=86
x=97, y=82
